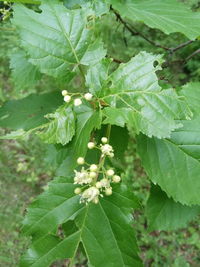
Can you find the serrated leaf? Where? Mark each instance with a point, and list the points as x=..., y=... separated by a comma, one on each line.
x=58, y=44
x=113, y=212
x=152, y=111
x=87, y=120
x=28, y=113
x=24, y=74
x=174, y=163
x=61, y=127
x=55, y=206
x=116, y=116
x=49, y=249
x=168, y=16
x=165, y=214
x=97, y=76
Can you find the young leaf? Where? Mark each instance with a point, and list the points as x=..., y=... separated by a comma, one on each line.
x=87, y=121
x=168, y=16
x=97, y=76
x=165, y=214
x=175, y=163
x=58, y=44
x=149, y=109
x=24, y=74
x=28, y=113
x=104, y=228
x=61, y=127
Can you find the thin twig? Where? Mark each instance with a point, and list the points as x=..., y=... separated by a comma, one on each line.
x=134, y=32
x=192, y=55
x=181, y=46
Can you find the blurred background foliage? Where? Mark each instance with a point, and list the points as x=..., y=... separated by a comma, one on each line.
x=25, y=170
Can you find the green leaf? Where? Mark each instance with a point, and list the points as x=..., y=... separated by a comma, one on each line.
x=61, y=127
x=49, y=249
x=116, y=116
x=52, y=208
x=24, y=74
x=97, y=76
x=104, y=229
x=174, y=164
x=60, y=43
x=168, y=16
x=87, y=120
x=165, y=214
x=24, y=1
x=150, y=109
x=28, y=113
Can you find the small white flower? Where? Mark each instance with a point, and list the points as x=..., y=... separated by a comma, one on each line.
x=67, y=98
x=93, y=175
x=108, y=191
x=80, y=161
x=91, y=145
x=82, y=177
x=64, y=92
x=116, y=178
x=77, y=191
x=105, y=182
x=110, y=172
x=106, y=150
x=104, y=140
x=98, y=185
x=77, y=102
x=88, y=96
x=91, y=194
x=93, y=167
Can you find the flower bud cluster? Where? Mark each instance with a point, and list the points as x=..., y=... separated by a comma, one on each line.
x=95, y=180
x=68, y=97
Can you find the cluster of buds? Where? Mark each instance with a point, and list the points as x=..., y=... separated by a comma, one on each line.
x=68, y=97
x=95, y=180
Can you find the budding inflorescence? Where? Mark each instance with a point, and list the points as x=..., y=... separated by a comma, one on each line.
x=68, y=97
x=95, y=180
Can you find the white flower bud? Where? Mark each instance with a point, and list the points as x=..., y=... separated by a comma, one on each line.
x=107, y=150
x=98, y=185
x=80, y=161
x=77, y=102
x=105, y=182
x=96, y=200
x=77, y=191
x=104, y=140
x=64, y=92
x=111, y=155
x=93, y=175
x=93, y=168
x=108, y=191
x=116, y=178
x=110, y=172
x=88, y=96
x=91, y=145
x=67, y=98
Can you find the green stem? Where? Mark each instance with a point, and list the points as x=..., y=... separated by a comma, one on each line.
x=108, y=132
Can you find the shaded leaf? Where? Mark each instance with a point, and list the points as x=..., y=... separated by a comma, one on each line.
x=165, y=214
x=28, y=113
x=174, y=163
x=25, y=75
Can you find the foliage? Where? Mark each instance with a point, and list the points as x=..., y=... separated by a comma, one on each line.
x=105, y=100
